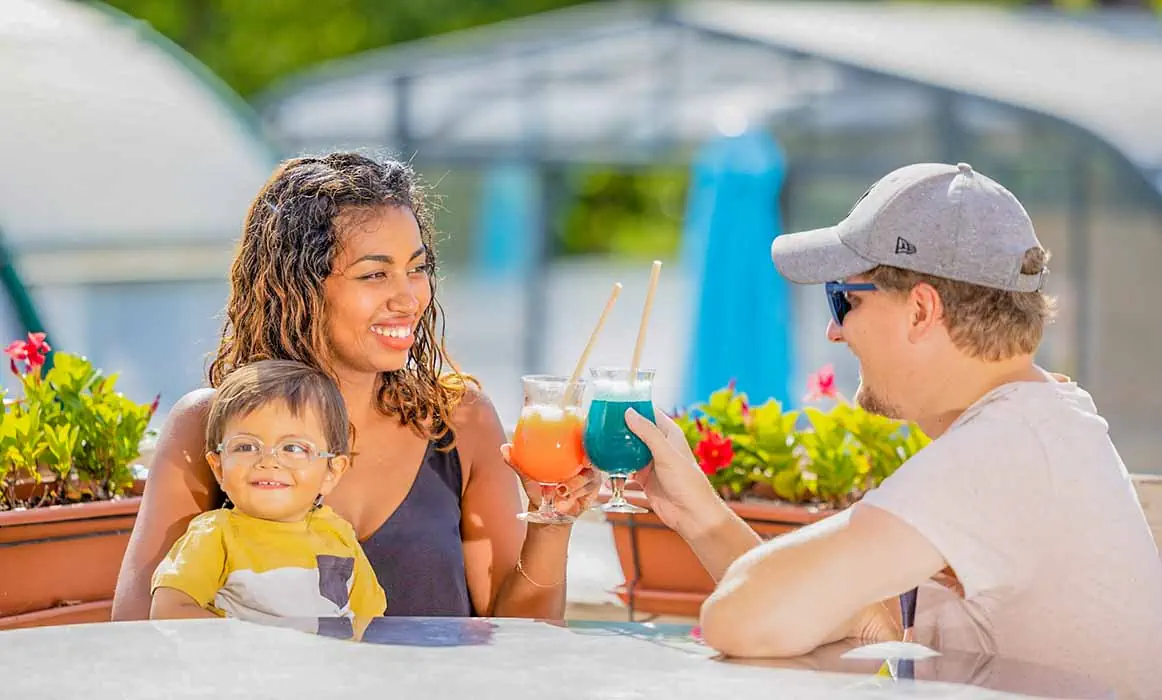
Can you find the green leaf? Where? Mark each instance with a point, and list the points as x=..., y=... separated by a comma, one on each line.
x=788, y=485
x=74, y=422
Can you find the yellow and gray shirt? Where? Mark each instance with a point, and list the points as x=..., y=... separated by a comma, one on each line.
x=239, y=566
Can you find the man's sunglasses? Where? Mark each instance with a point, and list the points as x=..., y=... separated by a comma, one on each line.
x=837, y=297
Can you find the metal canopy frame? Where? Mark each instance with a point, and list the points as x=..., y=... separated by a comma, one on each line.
x=634, y=84
x=631, y=83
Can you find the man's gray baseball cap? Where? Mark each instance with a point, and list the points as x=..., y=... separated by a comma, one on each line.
x=943, y=220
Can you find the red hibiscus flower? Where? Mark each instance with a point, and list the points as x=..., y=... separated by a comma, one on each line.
x=714, y=452
x=821, y=384
x=31, y=352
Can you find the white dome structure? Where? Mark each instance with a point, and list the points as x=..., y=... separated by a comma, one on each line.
x=112, y=137
x=128, y=170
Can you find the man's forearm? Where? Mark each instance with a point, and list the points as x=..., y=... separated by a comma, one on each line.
x=718, y=538
x=818, y=584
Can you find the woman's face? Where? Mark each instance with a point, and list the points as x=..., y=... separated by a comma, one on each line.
x=378, y=290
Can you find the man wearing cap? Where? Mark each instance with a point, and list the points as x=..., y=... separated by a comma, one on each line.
x=1018, y=523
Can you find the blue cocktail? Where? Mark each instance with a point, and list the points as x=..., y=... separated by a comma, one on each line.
x=609, y=443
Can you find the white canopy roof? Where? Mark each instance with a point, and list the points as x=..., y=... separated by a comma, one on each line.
x=111, y=136
x=1105, y=81
x=617, y=81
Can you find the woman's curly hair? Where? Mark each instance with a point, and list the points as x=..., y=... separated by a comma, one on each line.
x=289, y=243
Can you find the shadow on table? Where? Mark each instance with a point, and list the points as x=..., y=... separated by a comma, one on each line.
x=672, y=636
x=416, y=632
x=884, y=665
x=429, y=632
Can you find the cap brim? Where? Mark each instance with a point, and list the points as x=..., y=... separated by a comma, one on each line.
x=815, y=257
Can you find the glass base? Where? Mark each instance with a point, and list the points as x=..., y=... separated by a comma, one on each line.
x=623, y=507
x=617, y=503
x=546, y=518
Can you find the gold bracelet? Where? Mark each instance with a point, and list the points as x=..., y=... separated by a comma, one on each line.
x=520, y=567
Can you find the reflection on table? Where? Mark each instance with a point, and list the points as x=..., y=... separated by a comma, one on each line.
x=481, y=658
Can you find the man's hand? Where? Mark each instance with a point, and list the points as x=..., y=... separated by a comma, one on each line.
x=678, y=492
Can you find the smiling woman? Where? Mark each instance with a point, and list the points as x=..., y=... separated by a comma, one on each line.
x=336, y=270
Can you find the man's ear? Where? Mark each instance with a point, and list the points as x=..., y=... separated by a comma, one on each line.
x=926, y=311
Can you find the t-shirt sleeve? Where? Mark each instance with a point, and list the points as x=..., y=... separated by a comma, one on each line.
x=979, y=495
x=196, y=564
x=368, y=599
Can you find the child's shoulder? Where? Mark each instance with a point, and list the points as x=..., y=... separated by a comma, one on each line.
x=326, y=518
x=209, y=521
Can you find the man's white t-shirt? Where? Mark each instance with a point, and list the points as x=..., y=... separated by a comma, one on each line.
x=1031, y=506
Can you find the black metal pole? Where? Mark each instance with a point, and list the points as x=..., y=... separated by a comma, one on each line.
x=22, y=302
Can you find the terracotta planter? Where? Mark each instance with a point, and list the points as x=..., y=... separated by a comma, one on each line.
x=662, y=574
x=59, y=564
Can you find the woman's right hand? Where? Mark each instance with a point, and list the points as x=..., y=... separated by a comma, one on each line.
x=678, y=492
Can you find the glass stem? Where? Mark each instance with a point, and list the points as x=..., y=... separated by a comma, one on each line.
x=616, y=484
x=548, y=494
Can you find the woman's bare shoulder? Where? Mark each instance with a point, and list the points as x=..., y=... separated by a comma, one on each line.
x=182, y=440
x=475, y=411
x=197, y=402
x=191, y=412
x=477, y=425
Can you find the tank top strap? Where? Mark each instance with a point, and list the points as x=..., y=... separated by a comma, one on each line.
x=444, y=461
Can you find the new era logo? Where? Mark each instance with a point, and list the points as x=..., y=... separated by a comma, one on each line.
x=904, y=247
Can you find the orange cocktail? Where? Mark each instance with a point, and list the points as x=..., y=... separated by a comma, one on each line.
x=546, y=445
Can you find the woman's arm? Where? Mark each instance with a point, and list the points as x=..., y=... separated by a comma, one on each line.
x=494, y=540
x=180, y=485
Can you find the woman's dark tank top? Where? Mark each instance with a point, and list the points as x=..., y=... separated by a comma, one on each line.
x=417, y=553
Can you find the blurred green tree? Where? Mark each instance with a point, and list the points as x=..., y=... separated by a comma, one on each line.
x=252, y=43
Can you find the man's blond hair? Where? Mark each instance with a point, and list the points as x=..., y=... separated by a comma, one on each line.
x=985, y=323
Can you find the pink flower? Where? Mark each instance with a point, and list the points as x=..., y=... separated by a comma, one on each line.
x=821, y=384
x=31, y=352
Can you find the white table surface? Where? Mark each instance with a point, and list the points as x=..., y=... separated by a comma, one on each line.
x=459, y=659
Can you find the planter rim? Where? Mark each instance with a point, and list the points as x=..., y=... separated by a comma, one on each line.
x=73, y=511
x=762, y=509
x=49, y=616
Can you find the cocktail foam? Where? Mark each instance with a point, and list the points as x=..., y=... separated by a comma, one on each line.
x=621, y=390
x=549, y=412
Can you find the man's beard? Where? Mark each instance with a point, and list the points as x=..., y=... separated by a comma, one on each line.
x=868, y=401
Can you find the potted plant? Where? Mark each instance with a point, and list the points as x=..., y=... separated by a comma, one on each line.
x=68, y=496
x=777, y=469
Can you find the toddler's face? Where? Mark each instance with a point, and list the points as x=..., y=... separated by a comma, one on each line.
x=274, y=464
